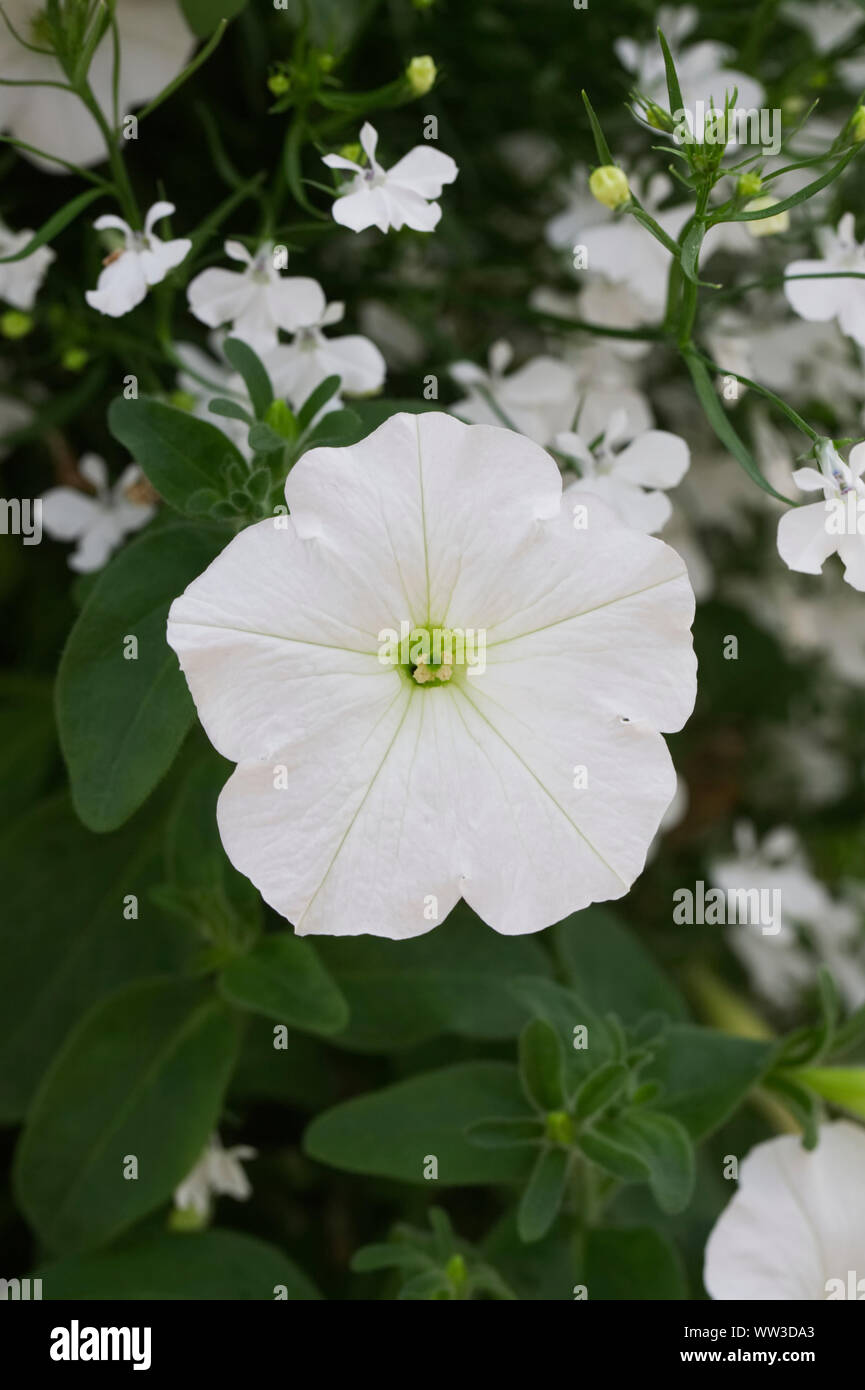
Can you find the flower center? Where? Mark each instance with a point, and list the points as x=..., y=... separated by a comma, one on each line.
x=433, y=653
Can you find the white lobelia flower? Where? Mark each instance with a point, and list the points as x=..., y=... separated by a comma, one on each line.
x=795, y=1228
x=217, y=1173
x=402, y=196
x=145, y=260
x=702, y=68
x=97, y=522
x=20, y=280
x=828, y=23
x=539, y=399
x=155, y=43
x=630, y=480
x=808, y=535
x=825, y=293
x=297, y=368
x=618, y=248
x=370, y=797
x=257, y=301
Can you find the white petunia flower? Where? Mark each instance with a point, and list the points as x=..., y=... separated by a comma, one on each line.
x=826, y=294
x=257, y=301
x=98, y=523
x=155, y=43
x=539, y=399
x=20, y=280
x=630, y=480
x=402, y=196
x=369, y=798
x=217, y=1173
x=297, y=368
x=808, y=535
x=145, y=260
x=796, y=1223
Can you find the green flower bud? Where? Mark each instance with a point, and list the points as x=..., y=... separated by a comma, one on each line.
x=559, y=1128
x=856, y=129
x=353, y=152
x=659, y=118
x=749, y=185
x=421, y=74
x=281, y=419
x=187, y=1219
x=456, y=1271
x=609, y=184
x=325, y=61
x=14, y=324
x=182, y=400
x=75, y=359
x=279, y=83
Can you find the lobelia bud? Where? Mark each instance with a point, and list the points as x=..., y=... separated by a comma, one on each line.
x=14, y=325
x=749, y=185
x=609, y=184
x=421, y=74
x=856, y=128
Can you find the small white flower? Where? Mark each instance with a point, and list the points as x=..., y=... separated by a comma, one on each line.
x=631, y=479
x=297, y=368
x=828, y=23
x=20, y=280
x=402, y=196
x=156, y=45
x=365, y=801
x=796, y=1222
x=702, y=68
x=539, y=399
x=826, y=294
x=782, y=964
x=257, y=301
x=98, y=523
x=808, y=535
x=145, y=260
x=618, y=248
x=217, y=1173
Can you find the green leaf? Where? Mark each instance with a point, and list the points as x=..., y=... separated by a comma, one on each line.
x=142, y=1075
x=573, y=1023
x=336, y=429
x=324, y=392
x=600, y=1089
x=603, y=149
x=283, y=978
x=811, y=1043
x=394, y=1133
x=613, y=1152
x=632, y=1266
x=55, y=224
x=180, y=454
x=244, y=360
x=706, y=1075
x=452, y=980
x=505, y=1134
x=665, y=1146
x=802, y=1103
x=540, y=1054
x=263, y=439
x=65, y=940
x=205, y=888
x=204, y=1266
x=674, y=91
x=717, y=417
x=203, y=16
x=28, y=743
x=121, y=722
x=229, y=410
x=606, y=962
x=542, y=1198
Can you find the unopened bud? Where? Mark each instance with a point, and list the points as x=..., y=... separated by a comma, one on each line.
x=609, y=184
x=421, y=73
